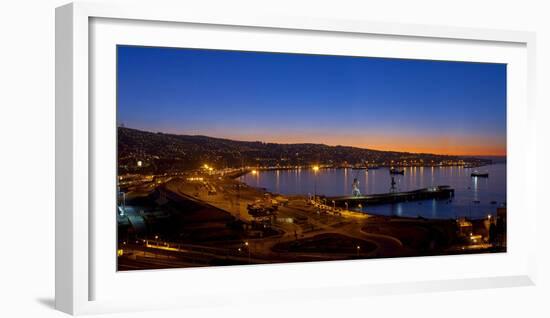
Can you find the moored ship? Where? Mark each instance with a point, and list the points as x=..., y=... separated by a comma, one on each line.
x=477, y=174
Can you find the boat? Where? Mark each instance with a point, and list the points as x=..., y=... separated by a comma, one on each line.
x=397, y=171
x=477, y=174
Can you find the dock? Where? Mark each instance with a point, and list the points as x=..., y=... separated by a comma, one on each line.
x=437, y=192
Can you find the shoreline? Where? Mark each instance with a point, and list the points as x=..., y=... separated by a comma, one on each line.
x=324, y=167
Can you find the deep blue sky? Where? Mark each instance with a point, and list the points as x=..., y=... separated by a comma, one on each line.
x=388, y=104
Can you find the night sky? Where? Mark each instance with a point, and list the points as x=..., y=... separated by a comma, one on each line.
x=386, y=104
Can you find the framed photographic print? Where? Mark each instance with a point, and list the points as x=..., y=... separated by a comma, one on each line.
x=204, y=155
x=238, y=157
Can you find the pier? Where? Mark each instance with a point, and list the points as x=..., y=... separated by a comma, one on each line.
x=437, y=192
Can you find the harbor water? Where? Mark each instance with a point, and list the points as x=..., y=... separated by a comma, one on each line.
x=475, y=197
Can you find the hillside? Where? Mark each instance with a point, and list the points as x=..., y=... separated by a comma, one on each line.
x=162, y=152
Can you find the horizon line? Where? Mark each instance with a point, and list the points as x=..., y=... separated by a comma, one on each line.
x=313, y=143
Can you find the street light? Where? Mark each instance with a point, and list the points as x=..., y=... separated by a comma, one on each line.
x=315, y=169
x=248, y=247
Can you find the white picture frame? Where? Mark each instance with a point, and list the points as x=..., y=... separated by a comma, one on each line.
x=77, y=252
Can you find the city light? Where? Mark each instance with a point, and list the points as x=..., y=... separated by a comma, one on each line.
x=165, y=247
x=372, y=189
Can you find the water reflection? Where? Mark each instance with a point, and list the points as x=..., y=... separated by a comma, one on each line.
x=277, y=176
x=473, y=196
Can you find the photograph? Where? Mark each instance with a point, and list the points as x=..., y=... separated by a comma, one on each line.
x=229, y=157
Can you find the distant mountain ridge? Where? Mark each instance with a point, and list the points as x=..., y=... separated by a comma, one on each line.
x=190, y=151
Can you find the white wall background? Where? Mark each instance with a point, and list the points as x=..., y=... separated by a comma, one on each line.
x=27, y=157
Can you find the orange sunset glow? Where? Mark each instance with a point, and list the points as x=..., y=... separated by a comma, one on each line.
x=443, y=145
